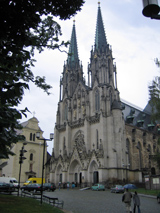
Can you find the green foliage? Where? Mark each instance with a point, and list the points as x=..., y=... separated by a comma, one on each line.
x=154, y=93
x=26, y=25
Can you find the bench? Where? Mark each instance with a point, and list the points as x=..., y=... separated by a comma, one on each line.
x=54, y=201
x=31, y=194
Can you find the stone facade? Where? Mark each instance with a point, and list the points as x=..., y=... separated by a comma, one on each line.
x=95, y=139
x=142, y=145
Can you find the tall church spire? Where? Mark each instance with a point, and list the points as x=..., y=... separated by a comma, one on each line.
x=100, y=38
x=73, y=59
x=73, y=70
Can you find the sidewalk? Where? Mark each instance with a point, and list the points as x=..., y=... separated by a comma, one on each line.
x=150, y=196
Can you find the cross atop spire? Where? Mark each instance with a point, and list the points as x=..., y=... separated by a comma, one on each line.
x=73, y=50
x=100, y=38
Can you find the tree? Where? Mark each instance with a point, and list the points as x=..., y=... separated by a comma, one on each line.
x=26, y=25
x=154, y=93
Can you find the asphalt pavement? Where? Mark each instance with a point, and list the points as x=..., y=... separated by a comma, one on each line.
x=88, y=201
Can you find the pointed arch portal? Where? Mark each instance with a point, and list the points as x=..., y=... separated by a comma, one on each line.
x=94, y=174
x=75, y=174
x=59, y=177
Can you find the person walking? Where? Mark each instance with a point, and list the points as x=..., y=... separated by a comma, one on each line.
x=126, y=198
x=59, y=185
x=136, y=201
x=68, y=186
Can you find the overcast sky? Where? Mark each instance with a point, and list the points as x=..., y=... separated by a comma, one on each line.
x=135, y=42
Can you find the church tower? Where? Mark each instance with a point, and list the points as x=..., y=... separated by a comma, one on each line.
x=89, y=142
x=72, y=71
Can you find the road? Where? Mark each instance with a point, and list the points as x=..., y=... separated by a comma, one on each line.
x=89, y=201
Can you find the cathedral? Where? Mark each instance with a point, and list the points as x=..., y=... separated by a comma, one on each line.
x=97, y=136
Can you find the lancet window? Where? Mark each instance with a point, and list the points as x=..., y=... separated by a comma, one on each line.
x=97, y=100
x=66, y=111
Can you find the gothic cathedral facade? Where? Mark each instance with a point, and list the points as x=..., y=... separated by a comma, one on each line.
x=90, y=133
x=89, y=140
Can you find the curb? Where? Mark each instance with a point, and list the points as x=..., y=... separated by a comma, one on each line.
x=149, y=196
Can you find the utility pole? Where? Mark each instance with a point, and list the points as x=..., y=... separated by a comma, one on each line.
x=21, y=158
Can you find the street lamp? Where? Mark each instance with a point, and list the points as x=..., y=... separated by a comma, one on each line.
x=21, y=158
x=151, y=9
x=44, y=142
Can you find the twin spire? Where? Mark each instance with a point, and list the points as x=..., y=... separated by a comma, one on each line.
x=73, y=50
x=100, y=40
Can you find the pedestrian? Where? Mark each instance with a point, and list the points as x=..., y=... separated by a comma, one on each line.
x=67, y=186
x=73, y=185
x=59, y=185
x=126, y=198
x=136, y=201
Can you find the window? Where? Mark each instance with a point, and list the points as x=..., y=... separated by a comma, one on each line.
x=31, y=156
x=66, y=111
x=30, y=136
x=109, y=70
x=110, y=99
x=64, y=143
x=97, y=101
x=97, y=139
x=34, y=137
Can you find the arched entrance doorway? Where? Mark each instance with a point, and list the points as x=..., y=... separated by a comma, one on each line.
x=93, y=171
x=95, y=177
x=59, y=175
x=75, y=174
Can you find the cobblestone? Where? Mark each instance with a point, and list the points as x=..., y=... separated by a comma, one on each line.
x=88, y=201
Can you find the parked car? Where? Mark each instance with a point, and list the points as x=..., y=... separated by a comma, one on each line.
x=10, y=180
x=49, y=186
x=98, y=187
x=32, y=187
x=158, y=198
x=34, y=180
x=6, y=187
x=117, y=189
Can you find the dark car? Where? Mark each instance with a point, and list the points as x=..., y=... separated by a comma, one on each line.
x=32, y=187
x=6, y=187
x=49, y=186
x=117, y=189
x=158, y=198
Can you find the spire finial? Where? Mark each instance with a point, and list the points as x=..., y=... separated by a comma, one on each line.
x=99, y=4
x=74, y=22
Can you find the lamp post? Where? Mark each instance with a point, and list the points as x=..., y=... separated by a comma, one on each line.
x=44, y=143
x=21, y=158
x=151, y=9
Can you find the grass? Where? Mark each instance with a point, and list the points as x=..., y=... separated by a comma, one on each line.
x=146, y=191
x=12, y=204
